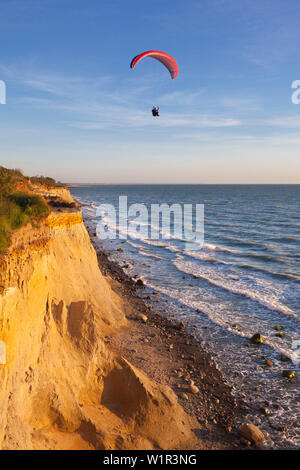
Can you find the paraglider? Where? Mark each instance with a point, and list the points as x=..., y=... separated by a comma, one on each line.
x=155, y=111
x=168, y=61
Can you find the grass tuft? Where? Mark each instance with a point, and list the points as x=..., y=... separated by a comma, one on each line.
x=16, y=208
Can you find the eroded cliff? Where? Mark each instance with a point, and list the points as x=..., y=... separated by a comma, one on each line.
x=61, y=388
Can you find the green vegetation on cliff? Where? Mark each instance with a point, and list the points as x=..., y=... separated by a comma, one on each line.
x=46, y=181
x=17, y=207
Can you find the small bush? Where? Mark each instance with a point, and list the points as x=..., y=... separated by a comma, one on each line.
x=45, y=181
x=17, y=207
x=15, y=211
x=31, y=205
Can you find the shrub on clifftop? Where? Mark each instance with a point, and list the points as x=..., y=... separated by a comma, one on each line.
x=45, y=181
x=16, y=208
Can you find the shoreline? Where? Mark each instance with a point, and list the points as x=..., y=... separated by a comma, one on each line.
x=168, y=354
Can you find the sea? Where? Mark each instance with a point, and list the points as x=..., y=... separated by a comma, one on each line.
x=242, y=279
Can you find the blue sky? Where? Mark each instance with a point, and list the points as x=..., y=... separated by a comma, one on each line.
x=77, y=112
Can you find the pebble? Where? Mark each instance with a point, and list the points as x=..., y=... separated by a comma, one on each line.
x=265, y=411
x=142, y=317
x=252, y=433
x=257, y=338
x=284, y=358
x=245, y=442
x=193, y=388
x=280, y=335
x=289, y=374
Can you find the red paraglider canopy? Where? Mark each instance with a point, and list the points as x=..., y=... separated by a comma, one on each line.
x=163, y=57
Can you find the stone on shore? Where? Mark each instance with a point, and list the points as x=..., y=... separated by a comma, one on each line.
x=257, y=338
x=193, y=388
x=252, y=433
x=280, y=335
x=284, y=358
x=264, y=411
x=289, y=374
x=142, y=317
x=245, y=442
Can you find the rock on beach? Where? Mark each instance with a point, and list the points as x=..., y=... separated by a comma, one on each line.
x=252, y=433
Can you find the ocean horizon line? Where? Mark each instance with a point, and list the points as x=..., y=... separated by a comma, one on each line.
x=74, y=185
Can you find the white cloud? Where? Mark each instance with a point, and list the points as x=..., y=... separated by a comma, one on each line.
x=284, y=121
x=134, y=118
x=240, y=104
x=180, y=97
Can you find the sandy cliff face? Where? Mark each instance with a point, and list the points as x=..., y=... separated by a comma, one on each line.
x=61, y=388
